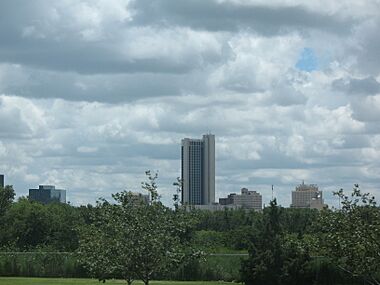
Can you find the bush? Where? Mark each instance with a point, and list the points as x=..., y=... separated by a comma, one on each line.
x=40, y=264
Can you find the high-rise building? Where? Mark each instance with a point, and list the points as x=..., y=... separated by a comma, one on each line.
x=2, y=180
x=198, y=170
x=246, y=200
x=307, y=196
x=46, y=194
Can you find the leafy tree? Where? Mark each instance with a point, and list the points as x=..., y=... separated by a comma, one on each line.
x=32, y=225
x=28, y=225
x=264, y=263
x=298, y=221
x=135, y=240
x=296, y=265
x=99, y=242
x=351, y=236
x=63, y=222
x=7, y=195
x=151, y=185
x=273, y=258
x=160, y=235
x=176, y=197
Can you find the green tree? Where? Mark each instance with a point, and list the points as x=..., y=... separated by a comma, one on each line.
x=99, y=242
x=151, y=185
x=351, y=236
x=32, y=225
x=63, y=222
x=7, y=195
x=264, y=263
x=177, y=198
x=135, y=240
x=296, y=264
x=28, y=225
x=274, y=258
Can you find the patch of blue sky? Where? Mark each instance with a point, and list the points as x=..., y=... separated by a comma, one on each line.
x=307, y=60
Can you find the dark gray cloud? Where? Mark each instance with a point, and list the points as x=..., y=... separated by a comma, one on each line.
x=368, y=45
x=87, y=58
x=228, y=16
x=85, y=39
x=354, y=86
x=111, y=88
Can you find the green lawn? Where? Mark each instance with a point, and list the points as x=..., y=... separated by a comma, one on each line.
x=66, y=281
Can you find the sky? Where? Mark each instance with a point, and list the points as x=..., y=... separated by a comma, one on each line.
x=93, y=93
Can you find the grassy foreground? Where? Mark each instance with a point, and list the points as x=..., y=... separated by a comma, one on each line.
x=69, y=281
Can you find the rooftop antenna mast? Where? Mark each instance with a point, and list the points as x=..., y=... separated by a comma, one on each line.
x=272, y=192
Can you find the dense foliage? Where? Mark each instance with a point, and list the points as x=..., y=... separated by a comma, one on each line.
x=352, y=236
x=274, y=257
x=127, y=240
x=134, y=240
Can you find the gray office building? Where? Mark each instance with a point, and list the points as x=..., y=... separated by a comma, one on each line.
x=246, y=200
x=46, y=194
x=2, y=180
x=198, y=170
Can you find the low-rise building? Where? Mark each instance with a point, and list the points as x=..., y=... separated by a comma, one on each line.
x=216, y=207
x=46, y=194
x=138, y=198
x=248, y=199
x=211, y=207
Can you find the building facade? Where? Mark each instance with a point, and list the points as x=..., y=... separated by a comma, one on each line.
x=307, y=196
x=2, y=180
x=246, y=200
x=138, y=198
x=46, y=194
x=213, y=207
x=198, y=170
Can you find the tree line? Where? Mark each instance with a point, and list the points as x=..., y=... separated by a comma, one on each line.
x=129, y=239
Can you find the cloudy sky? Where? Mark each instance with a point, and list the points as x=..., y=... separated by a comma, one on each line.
x=93, y=93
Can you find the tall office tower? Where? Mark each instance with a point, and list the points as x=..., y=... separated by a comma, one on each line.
x=307, y=196
x=2, y=180
x=198, y=170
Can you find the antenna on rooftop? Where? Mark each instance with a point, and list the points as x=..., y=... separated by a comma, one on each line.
x=272, y=192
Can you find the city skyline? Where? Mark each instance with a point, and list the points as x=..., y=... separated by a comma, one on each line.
x=94, y=93
x=303, y=195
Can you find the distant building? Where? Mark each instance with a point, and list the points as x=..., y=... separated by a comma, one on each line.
x=307, y=196
x=212, y=207
x=2, y=180
x=46, y=194
x=246, y=200
x=198, y=170
x=138, y=198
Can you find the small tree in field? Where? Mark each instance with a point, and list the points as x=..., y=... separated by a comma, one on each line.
x=134, y=239
x=97, y=244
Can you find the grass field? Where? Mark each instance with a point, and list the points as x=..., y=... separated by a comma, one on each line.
x=67, y=281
